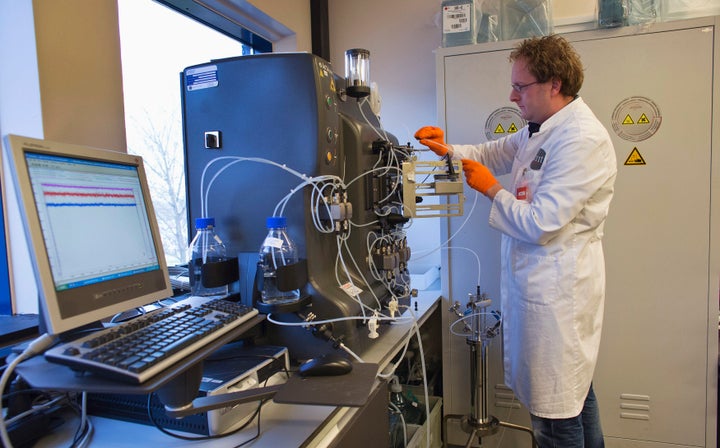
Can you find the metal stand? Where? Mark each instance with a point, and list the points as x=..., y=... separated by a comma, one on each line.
x=479, y=423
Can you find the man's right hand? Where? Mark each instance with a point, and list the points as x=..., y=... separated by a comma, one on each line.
x=434, y=138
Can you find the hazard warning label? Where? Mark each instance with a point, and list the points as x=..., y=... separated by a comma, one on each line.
x=503, y=121
x=636, y=118
x=635, y=158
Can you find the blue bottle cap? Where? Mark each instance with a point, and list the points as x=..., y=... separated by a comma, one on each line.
x=204, y=223
x=275, y=222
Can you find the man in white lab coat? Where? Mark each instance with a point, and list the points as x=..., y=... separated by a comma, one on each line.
x=552, y=216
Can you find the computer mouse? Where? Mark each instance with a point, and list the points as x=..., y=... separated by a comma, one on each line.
x=325, y=365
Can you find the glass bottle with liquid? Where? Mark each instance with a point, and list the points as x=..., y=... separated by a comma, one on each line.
x=277, y=250
x=206, y=247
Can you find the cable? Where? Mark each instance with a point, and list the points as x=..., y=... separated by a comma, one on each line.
x=209, y=437
x=328, y=321
x=389, y=374
x=477, y=258
x=377, y=130
x=362, y=277
x=205, y=191
x=470, y=213
x=425, y=386
x=402, y=419
x=37, y=346
x=350, y=352
x=85, y=429
x=35, y=409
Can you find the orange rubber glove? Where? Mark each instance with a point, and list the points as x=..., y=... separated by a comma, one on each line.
x=434, y=138
x=478, y=176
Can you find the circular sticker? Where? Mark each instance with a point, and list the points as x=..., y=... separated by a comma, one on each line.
x=636, y=118
x=503, y=121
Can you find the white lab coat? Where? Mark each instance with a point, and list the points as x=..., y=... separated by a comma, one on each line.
x=553, y=270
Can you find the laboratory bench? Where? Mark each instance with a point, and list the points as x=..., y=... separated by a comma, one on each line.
x=288, y=425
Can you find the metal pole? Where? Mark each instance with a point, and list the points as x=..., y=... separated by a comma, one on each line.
x=479, y=422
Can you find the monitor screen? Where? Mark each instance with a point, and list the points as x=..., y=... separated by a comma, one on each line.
x=91, y=230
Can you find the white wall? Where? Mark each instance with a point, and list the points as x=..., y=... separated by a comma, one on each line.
x=294, y=14
x=80, y=72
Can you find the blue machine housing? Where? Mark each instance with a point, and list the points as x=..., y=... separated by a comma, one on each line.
x=286, y=108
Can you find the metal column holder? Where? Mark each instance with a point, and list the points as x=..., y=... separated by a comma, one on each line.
x=481, y=325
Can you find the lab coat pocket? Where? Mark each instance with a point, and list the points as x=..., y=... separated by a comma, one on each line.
x=535, y=277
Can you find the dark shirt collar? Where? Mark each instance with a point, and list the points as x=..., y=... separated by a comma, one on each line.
x=533, y=128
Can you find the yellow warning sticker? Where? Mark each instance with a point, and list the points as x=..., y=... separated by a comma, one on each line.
x=635, y=158
x=643, y=119
x=499, y=129
x=512, y=129
x=628, y=120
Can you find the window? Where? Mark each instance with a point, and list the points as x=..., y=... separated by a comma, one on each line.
x=157, y=43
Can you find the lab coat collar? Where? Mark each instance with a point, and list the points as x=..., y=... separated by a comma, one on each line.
x=556, y=117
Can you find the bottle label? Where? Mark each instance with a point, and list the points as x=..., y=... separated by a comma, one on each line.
x=273, y=242
x=456, y=19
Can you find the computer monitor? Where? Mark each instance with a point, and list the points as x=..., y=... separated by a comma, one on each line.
x=91, y=231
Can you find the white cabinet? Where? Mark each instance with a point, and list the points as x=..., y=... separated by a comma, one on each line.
x=653, y=88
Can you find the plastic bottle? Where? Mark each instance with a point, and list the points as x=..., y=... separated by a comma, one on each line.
x=413, y=413
x=206, y=247
x=277, y=250
x=458, y=22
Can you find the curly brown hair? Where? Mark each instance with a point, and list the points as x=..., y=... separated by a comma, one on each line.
x=551, y=57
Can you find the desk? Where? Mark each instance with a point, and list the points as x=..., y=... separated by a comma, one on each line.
x=282, y=425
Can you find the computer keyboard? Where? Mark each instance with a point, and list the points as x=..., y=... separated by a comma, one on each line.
x=137, y=350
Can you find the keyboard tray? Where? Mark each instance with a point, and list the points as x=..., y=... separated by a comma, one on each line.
x=139, y=349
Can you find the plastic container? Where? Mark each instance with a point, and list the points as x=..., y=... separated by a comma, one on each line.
x=458, y=22
x=642, y=11
x=276, y=251
x=521, y=19
x=206, y=247
x=487, y=20
x=686, y=9
x=612, y=13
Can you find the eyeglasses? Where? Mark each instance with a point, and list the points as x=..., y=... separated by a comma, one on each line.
x=520, y=87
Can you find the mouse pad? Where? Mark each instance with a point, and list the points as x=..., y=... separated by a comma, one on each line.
x=350, y=389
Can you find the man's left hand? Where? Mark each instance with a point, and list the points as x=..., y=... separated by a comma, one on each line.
x=479, y=177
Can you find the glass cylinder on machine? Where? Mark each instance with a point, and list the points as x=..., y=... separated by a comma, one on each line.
x=357, y=72
x=205, y=248
x=277, y=250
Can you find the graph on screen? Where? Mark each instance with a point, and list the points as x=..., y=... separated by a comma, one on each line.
x=93, y=220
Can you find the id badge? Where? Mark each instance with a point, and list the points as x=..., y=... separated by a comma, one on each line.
x=521, y=193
